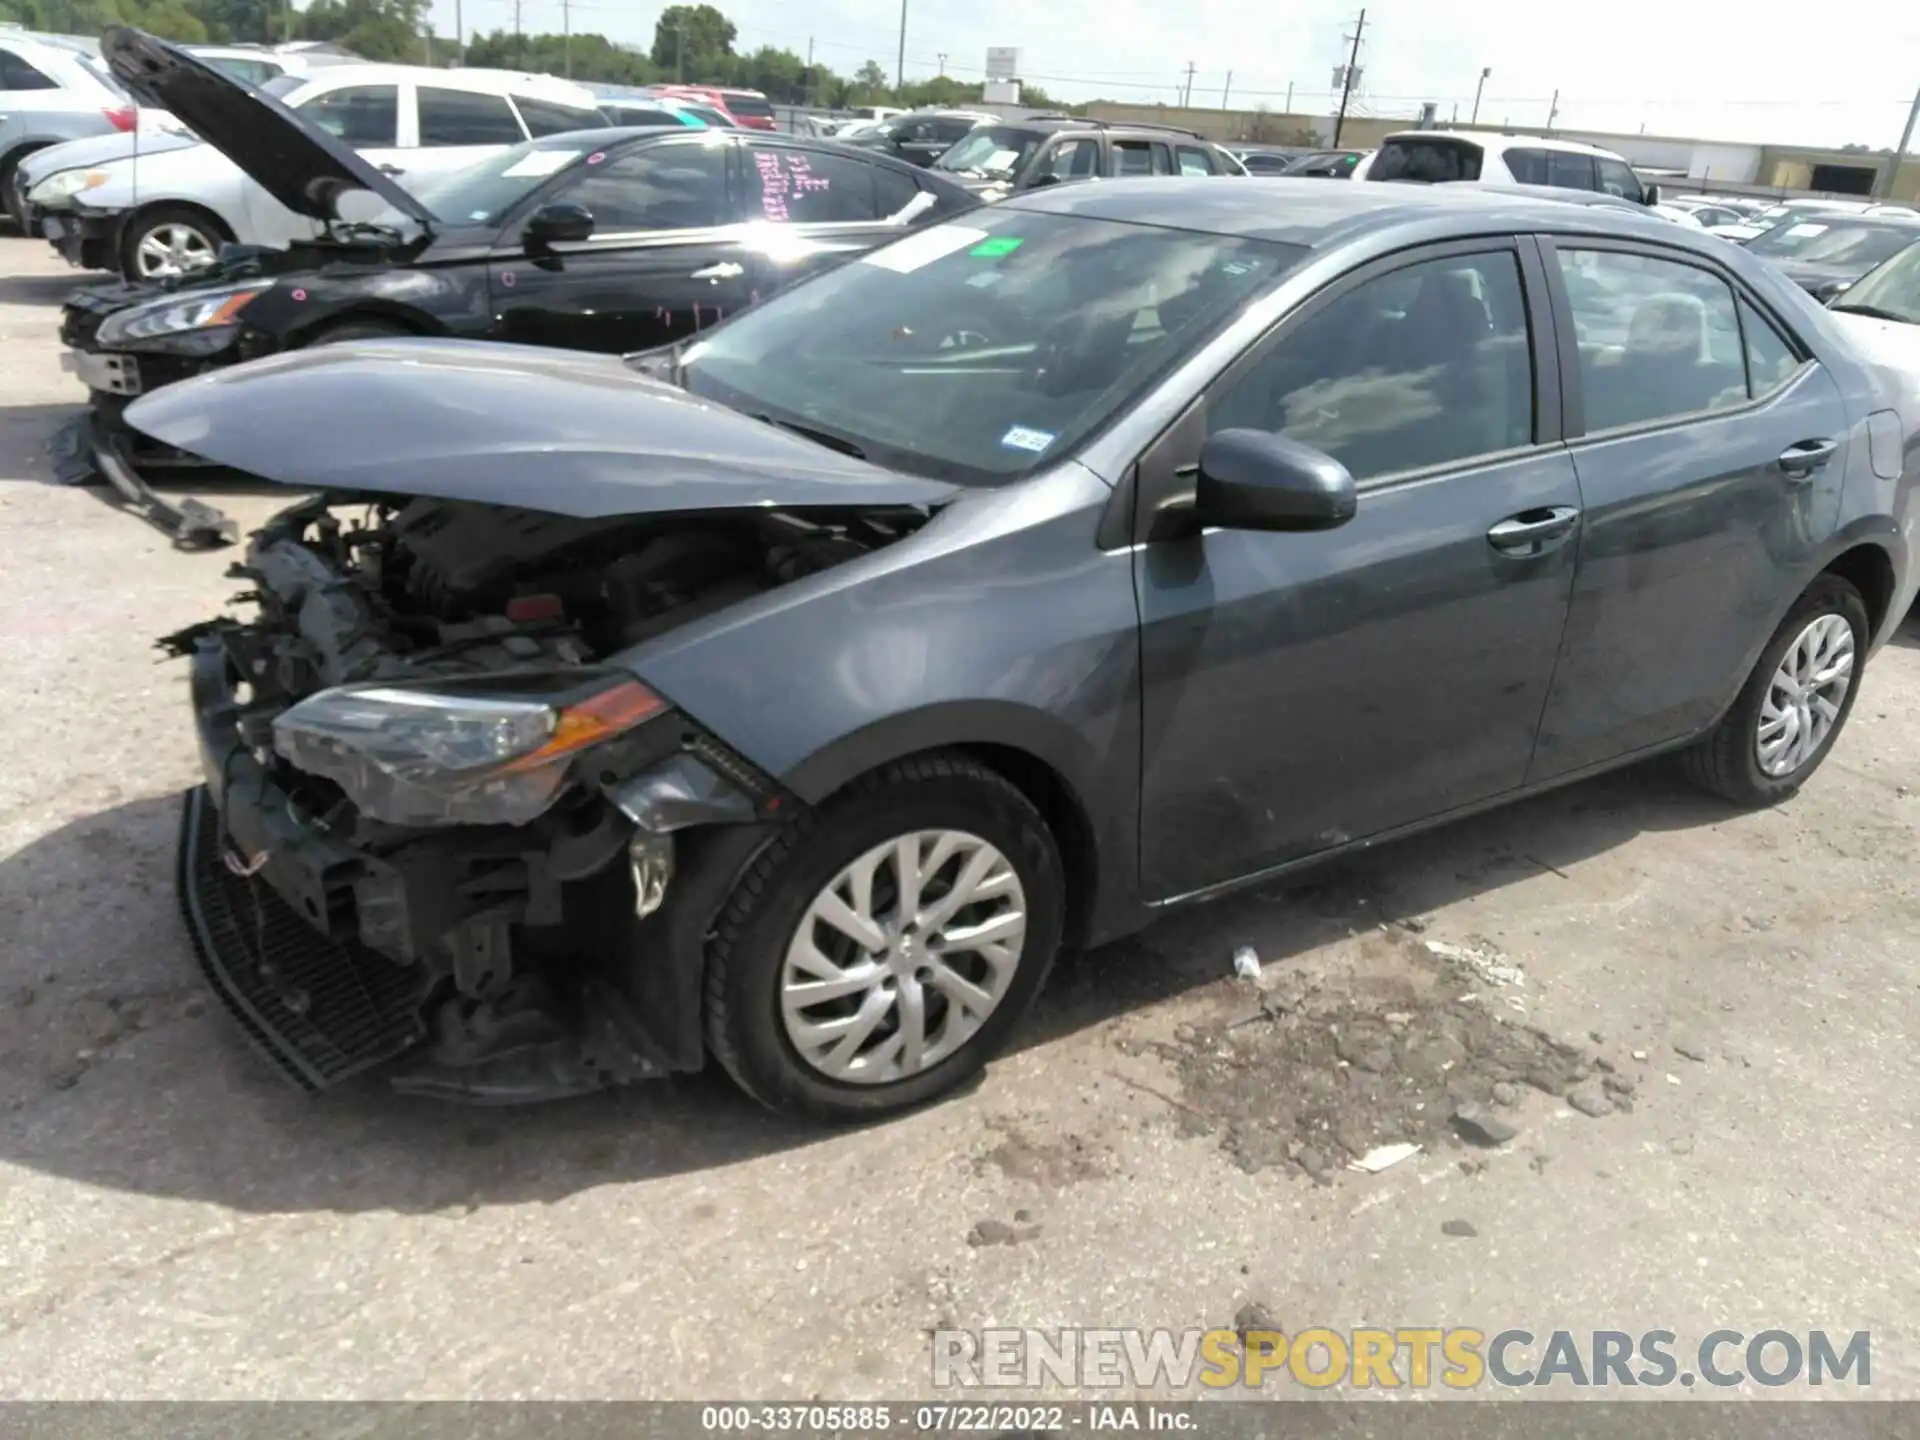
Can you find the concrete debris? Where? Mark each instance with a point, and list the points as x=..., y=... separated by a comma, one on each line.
x=1383, y=1157
x=1459, y=1229
x=1246, y=963
x=1482, y=960
x=1505, y=1093
x=1482, y=1126
x=1590, y=1099
x=1639, y=1054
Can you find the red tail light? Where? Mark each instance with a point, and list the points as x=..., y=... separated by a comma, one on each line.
x=122, y=117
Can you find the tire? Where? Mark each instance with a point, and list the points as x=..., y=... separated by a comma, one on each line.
x=748, y=956
x=359, y=330
x=187, y=233
x=1727, y=760
x=14, y=200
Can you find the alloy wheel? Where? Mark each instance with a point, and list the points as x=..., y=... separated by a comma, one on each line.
x=172, y=249
x=904, y=955
x=1805, y=697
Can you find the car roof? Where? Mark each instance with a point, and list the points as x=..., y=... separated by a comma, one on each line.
x=1501, y=140
x=486, y=82
x=1299, y=211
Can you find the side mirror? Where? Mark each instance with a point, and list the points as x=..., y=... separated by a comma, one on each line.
x=1253, y=480
x=558, y=222
x=1832, y=291
x=1649, y=194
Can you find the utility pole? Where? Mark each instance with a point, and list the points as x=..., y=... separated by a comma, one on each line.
x=1226, y=90
x=679, y=49
x=1289, y=109
x=1186, y=93
x=1485, y=71
x=459, y=36
x=900, y=61
x=1553, y=111
x=566, y=36
x=943, y=62
x=519, y=38
x=1346, y=87
x=289, y=22
x=1900, y=150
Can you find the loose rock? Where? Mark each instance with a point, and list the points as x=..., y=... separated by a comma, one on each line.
x=997, y=1232
x=1590, y=1099
x=1253, y=1316
x=1482, y=1126
x=1506, y=1094
x=1459, y=1229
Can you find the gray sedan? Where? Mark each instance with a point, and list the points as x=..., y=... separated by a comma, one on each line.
x=789, y=698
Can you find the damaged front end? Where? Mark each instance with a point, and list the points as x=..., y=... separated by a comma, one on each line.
x=441, y=824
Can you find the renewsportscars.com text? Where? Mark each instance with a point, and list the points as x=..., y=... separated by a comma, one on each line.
x=1457, y=1358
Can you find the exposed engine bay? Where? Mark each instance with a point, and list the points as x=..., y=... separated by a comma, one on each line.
x=424, y=773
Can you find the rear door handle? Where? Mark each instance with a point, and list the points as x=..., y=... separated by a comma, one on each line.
x=725, y=270
x=1798, y=462
x=1534, y=532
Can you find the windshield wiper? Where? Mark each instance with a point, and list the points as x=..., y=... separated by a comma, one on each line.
x=819, y=437
x=1874, y=312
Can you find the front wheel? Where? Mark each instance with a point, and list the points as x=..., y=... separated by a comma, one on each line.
x=878, y=954
x=168, y=241
x=1794, y=704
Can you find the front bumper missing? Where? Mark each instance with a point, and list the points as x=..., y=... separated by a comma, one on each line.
x=93, y=448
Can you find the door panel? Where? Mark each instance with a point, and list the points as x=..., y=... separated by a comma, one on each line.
x=1306, y=690
x=1694, y=537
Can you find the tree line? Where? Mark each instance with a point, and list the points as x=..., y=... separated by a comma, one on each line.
x=694, y=44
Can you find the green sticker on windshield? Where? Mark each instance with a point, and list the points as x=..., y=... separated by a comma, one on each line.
x=996, y=247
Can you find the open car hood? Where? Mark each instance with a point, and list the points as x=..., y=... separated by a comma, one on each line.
x=554, y=430
x=300, y=165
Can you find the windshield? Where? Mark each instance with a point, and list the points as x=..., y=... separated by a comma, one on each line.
x=1827, y=240
x=990, y=151
x=979, y=350
x=1892, y=291
x=755, y=106
x=482, y=193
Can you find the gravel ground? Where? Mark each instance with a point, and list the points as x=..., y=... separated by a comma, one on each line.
x=1165, y=1145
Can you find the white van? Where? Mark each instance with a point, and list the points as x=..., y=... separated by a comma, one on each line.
x=1457, y=156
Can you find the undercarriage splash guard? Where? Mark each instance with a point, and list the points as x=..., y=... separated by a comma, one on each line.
x=83, y=453
x=321, y=1011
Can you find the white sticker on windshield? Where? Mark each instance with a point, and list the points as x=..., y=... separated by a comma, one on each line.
x=1799, y=232
x=984, y=279
x=1021, y=438
x=537, y=164
x=906, y=256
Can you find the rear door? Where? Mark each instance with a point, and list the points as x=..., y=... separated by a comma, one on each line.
x=1302, y=691
x=663, y=260
x=808, y=208
x=1571, y=171
x=1696, y=423
x=375, y=119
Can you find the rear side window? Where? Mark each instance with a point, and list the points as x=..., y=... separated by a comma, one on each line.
x=1134, y=157
x=1770, y=360
x=366, y=115
x=1570, y=171
x=749, y=105
x=544, y=118
x=17, y=74
x=1659, y=339
x=466, y=117
x=1435, y=160
x=1528, y=167
x=1193, y=160
x=807, y=187
x=254, y=72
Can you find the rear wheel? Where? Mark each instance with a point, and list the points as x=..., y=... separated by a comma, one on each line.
x=1794, y=704
x=165, y=241
x=880, y=952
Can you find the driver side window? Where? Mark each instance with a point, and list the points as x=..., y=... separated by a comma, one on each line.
x=364, y=116
x=1618, y=179
x=660, y=187
x=1422, y=366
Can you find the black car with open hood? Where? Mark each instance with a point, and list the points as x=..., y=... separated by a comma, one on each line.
x=610, y=240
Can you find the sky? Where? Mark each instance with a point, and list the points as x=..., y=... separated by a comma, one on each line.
x=1842, y=73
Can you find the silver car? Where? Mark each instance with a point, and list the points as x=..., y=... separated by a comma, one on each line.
x=53, y=88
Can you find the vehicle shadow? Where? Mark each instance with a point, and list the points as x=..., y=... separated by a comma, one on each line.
x=124, y=1073
x=43, y=289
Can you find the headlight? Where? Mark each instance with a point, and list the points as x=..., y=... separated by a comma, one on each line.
x=65, y=185
x=477, y=754
x=203, y=311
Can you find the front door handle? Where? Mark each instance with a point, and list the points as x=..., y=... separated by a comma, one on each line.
x=1799, y=462
x=1533, y=532
x=725, y=270
x=391, y=170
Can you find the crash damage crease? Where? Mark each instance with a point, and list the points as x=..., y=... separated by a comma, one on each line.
x=488, y=963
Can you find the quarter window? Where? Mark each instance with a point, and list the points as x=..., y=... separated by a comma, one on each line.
x=1426, y=365
x=893, y=191
x=807, y=187
x=663, y=187
x=1658, y=339
x=1770, y=360
x=362, y=115
x=466, y=117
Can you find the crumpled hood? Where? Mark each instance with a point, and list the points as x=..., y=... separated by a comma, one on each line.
x=300, y=165
x=555, y=430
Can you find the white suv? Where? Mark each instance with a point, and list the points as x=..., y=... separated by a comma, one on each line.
x=1451, y=156
x=53, y=88
x=155, y=216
